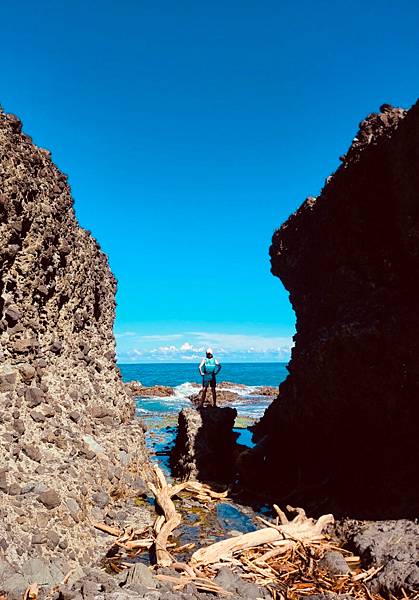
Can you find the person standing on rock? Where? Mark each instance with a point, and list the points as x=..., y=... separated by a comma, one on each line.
x=209, y=368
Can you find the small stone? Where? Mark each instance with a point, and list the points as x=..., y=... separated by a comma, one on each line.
x=56, y=347
x=40, y=487
x=37, y=416
x=334, y=563
x=75, y=416
x=72, y=506
x=14, y=489
x=38, y=538
x=27, y=372
x=26, y=489
x=63, y=544
x=50, y=499
x=33, y=453
x=19, y=427
x=53, y=538
x=101, y=499
x=34, y=396
x=139, y=486
x=98, y=412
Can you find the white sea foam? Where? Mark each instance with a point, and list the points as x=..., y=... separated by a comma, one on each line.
x=181, y=399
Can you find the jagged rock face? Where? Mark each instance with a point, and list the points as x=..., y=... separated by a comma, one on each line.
x=205, y=444
x=65, y=436
x=343, y=433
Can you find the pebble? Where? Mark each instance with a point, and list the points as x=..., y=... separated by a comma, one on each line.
x=50, y=499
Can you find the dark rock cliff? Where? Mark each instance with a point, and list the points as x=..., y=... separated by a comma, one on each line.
x=66, y=440
x=343, y=433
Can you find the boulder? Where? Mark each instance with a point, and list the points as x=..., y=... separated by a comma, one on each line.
x=205, y=444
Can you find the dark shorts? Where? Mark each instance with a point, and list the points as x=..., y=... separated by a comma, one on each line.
x=209, y=381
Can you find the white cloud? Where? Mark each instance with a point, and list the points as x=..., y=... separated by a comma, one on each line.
x=186, y=346
x=191, y=346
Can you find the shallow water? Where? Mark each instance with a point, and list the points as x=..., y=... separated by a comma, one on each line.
x=201, y=525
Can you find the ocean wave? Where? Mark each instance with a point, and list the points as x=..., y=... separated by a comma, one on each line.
x=181, y=399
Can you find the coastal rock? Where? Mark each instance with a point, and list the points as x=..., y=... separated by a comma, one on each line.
x=393, y=546
x=342, y=435
x=205, y=444
x=223, y=397
x=61, y=393
x=158, y=391
x=265, y=390
x=134, y=388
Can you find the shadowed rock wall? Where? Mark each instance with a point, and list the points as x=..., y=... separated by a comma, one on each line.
x=65, y=437
x=343, y=433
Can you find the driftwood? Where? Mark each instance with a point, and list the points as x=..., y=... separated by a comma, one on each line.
x=284, y=536
x=32, y=592
x=108, y=529
x=170, y=519
x=162, y=529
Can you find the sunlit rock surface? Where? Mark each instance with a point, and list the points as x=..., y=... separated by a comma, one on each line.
x=66, y=436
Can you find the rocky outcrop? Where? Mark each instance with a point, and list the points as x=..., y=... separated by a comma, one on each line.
x=390, y=546
x=155, y=391
x=343, y=433
x=205, y=446
x=67, y=446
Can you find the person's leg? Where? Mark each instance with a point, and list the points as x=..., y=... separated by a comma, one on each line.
x=214, y=394
x=203, y=396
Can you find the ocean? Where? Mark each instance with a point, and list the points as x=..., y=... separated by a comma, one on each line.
x=181, y=376
x=173, y=374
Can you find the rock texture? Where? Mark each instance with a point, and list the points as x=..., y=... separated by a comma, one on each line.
x=392, y=546
x=205, y=445
x=343, y=433
x=68, y=447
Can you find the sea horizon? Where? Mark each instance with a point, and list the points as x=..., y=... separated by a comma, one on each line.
x=176, y=374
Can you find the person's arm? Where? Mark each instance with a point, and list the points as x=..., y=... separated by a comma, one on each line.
x=218, y=367
x=200, y=367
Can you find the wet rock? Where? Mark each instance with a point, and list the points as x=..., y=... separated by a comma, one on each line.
x=158, y=391
x=265, y=390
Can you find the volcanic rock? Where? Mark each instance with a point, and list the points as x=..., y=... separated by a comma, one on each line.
x=158, y=391
x=134, y=388
x=57, y=371
x=342, y=436
x=205, y=444
x=392, y=546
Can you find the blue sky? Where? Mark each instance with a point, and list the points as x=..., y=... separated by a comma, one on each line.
x=190, y=131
